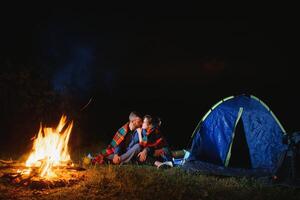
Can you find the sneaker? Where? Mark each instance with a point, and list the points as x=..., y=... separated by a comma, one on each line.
x=98, y=160
x=165, y=165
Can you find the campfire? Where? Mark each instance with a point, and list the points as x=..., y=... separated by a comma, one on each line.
x=50, y=149
x=49, y=163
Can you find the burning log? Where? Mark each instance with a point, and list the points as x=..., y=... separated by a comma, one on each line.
x=22, y=166
x=7, y=162
x=34, y=182
x=30, y=177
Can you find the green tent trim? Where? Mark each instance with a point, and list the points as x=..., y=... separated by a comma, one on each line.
x=233, y=134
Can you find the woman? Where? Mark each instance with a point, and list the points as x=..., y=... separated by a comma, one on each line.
x=152, y=141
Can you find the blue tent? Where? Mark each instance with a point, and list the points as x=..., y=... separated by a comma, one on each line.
x=239, y=135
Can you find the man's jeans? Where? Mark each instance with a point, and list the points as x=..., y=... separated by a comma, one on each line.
x=130, y=153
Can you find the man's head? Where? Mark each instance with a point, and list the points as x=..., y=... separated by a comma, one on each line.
x=135, y=120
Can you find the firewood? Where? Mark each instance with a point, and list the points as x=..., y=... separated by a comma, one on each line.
x=15, y=173
x=76, y=168
x=7, y=161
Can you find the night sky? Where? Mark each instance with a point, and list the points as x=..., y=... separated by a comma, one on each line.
x=172, y=63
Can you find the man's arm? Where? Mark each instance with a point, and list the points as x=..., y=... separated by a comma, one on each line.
x=117, y=150
x=119, y=136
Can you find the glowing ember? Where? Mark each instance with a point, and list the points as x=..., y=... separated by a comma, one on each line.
x=50, y=149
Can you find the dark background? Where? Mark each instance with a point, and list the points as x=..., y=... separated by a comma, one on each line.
x=174, y=63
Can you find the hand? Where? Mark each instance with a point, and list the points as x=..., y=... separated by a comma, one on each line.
x=159, y=152
x=116, y=159
x=139, y=130
x=142, y=155
x=131, y=126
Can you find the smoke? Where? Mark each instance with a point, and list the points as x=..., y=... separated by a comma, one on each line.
x=75, y=75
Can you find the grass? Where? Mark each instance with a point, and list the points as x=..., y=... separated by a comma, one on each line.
x=146, y=182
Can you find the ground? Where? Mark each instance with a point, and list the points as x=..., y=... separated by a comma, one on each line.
x=146, y=182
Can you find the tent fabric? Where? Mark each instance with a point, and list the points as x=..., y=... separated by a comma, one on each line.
x=214, y=136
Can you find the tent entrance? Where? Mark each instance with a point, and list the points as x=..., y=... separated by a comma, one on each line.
x=240, y=156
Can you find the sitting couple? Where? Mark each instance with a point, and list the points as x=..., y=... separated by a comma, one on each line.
x=139, y=140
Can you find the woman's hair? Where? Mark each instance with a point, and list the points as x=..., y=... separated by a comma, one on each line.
x=154, y=121
x=157, y=121
x=150, y=119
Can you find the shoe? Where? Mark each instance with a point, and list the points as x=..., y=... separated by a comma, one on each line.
x=98, y=160
x=165, y=165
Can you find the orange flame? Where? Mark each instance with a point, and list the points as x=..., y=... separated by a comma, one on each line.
x=50, y=148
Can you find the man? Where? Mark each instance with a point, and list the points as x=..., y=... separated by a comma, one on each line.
x=125, y=143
